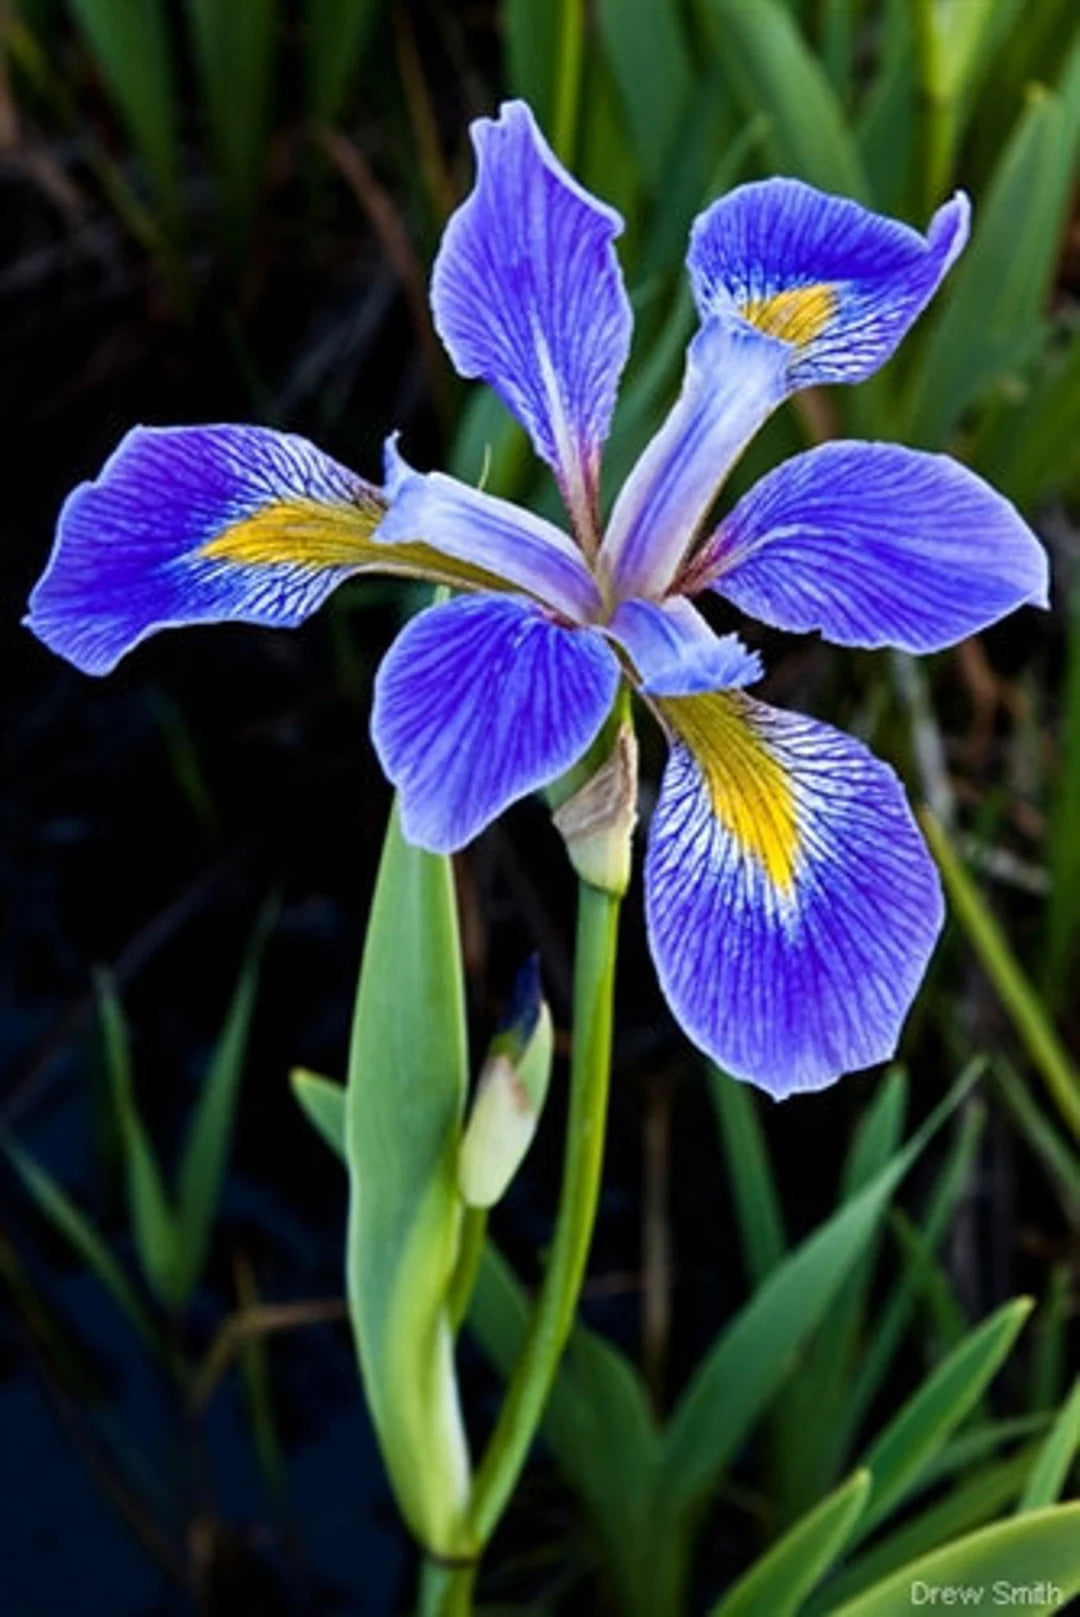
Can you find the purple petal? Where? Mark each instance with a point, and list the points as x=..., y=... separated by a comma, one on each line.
x=840, y=284
x=479, y=702
x=675, y=651
x=527, y=294
x=734, y=380
x=791, y=902
x=876, y=545
x=500, y=539
x=199, y=525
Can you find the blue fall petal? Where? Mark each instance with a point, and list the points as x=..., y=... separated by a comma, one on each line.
x=479, y=702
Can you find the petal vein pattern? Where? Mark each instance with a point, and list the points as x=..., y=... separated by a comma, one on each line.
x=477, y=703
x=791, y=903
x=528, y=295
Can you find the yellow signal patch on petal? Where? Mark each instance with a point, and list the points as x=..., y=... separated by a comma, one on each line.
x=797, y=315
x=321, y=535
x=750, y=791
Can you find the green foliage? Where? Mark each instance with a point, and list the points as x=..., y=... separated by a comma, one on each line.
x=234, y=48
x=406, y=1094
x=779, y=1583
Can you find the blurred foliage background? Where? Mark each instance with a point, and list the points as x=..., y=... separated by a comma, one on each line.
x=225, y=209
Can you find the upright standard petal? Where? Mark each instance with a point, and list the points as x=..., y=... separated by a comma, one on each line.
x=875, y=545
x=676, y=653
x=494, y=537
x=839, y=284
x=528, y=295
x=479, y=702
x=197, y=525
x=792, y=905
x=734, y=380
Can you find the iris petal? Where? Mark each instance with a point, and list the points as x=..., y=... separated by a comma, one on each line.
x=839, y=284
x=490, y=535
x=528, y=295
x=791, y=903
x=875, y=545
x=201, y=525
x=735, y=378
x=675, y=651
x=479, y=702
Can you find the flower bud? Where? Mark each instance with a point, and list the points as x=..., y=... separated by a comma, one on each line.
x=597, y=822
x=509, y=1096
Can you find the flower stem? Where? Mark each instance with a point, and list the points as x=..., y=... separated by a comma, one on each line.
x=571, y=48
x=447, y=1592
x=553, y=1315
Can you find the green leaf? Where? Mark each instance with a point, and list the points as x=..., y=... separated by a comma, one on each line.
x=978, y=1497
x=403, y=1109
x=322, y=1102
x=1051, y=1469
x=757, y=1204
x=1039, y=1552
x=774, y=71
x=994, y=316
x=234, y=48
x=1014, y=990
x=777, y=1585
x=811, y=1411
x=81, y=1234
x=892, y=1319
x=649, y=55
x=758, y=1350
x=154, y=1227
x=201, y=1173
x=130, y=43
x=542, y=46
x=885, y=127
x=597, y=1420
x=1062, y=1165
x=337, y=32
x=922, y=1425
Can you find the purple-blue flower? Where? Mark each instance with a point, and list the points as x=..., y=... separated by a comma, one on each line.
x=791, y=903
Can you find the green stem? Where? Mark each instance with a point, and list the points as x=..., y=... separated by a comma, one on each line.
x=553, y=1315
x=473, y=1232
x=446, y=1592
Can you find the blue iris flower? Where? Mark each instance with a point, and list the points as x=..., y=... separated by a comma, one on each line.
x=791, y=903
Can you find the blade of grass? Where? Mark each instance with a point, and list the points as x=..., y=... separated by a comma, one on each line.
x=779, y=1583
x=131, y=46
x=753, y=1187
x=82, y=1236
x=201, y=1173
x=922, y=1425
x=1029, y=1015
x=234, y=48
x=153, y=1222
x=1055, y=1460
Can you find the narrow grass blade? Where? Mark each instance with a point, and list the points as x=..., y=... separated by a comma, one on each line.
x=1051, y=1470
x=1040, y=1550
x=408, y=1071
x=201, y=1173
x=778, y=1584
x=753, y=1355
x=885, y=125
x=977, y=1499
x=1016, y=993
x=914, y=1435
x=82, y=1236
x=322, y=1102
x=650, y=57
x=337, y=34
x=153, y=1222
x=234, y=48
x=757, y=1203
x=131, y=46
x=993, y=319
x=1061, y=1163
x=774, y=71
